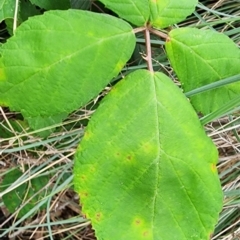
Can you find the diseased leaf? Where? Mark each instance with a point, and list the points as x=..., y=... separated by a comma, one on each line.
x=148, y=169
x=7, y=8
x=134, y=11
x=200, y=57
x=168, y=12
x=56, y=68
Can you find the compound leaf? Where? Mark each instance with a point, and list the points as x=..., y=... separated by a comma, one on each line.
x=168, y=12
x=134, y=11
x=7, y=8
x=58, y=61
x=146, y=166
x=200, y=57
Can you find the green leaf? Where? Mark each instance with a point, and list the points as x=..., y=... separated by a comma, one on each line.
x=26, y=10
x=57, y=62
x=7, y=8
x=15, y=198
x=226, y=109
x=17, y=126
x=52, y=4
x=81, y=4
x=200, y=57
x=134, y=11
x=168, y=12
x=146, y=166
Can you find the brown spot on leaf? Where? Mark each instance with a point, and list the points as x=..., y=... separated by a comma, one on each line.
x=213, y=168
x=83, y=177
x=92, y=169
x=137, y=222
x=98, y=216
x=84, y=194
x=146, y=233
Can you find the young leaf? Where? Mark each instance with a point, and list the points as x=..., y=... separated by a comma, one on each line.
x=148, y=169
x=7, y=8
x=168, y=12
x=136, y=12
x=57, y=62
x=200, y=57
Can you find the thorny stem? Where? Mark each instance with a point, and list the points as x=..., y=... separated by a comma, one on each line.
x=148, y=57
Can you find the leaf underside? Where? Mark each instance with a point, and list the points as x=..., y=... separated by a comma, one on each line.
x=147, y=171
x=57, y=62
x=200, y=57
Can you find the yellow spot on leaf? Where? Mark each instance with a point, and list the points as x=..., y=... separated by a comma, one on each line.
x=213, y=168
x=83, y=177
x=98, y=216
x=119, y=66
x=2, y=75
x=83, y=194
x=168, y=39
x=138, y=222
x=148, y=147
x=90, y=34
x=92, y=169
x=146, y=233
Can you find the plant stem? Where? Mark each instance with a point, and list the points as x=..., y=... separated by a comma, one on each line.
x=148, y=57
x=139, y=29
x=15, y=16
x=158, y=33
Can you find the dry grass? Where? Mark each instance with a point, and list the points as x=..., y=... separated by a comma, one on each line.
x=64, y=210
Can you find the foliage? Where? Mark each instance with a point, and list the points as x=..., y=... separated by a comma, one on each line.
x=156, y=161
x=54, y=97
x=206, y=54
x=145, y=165
x=6, y=9
x=25, y=192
